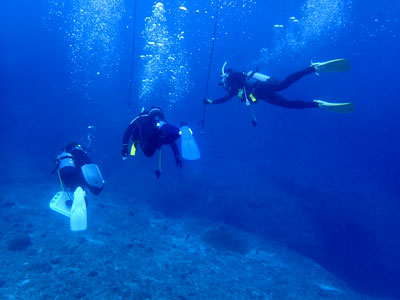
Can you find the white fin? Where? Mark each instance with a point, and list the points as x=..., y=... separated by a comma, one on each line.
x=78, y=219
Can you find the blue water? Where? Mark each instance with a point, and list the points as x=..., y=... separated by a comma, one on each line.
x=323, y=184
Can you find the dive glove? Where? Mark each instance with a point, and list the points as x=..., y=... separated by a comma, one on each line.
x=178, y=162
x=207, y=101
x=125, y=151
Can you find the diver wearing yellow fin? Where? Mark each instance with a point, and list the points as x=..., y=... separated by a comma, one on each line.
x=252, y=86
x=151, y=131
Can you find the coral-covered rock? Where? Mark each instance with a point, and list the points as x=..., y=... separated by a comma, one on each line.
x=19, y=243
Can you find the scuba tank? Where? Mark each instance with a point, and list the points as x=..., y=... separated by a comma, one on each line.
x=252, y=77
x=66, y=164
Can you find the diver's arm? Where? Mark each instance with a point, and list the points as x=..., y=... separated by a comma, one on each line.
x=224, y=99
x=174, y=148
x=127, y=134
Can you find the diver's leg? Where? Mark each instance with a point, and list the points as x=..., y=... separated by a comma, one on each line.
x=149, y=149
x=278, y=100
x=168, y=134
x=284, y=84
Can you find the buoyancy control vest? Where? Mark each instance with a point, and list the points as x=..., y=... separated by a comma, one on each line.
x=251, y=78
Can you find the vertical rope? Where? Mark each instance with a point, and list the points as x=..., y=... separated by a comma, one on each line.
x=209, y=63
x=132, y=59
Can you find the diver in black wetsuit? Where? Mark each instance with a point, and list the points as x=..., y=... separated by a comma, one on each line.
x=252, y=86
x=151, y=131
x=77, y=175
x=75, y=168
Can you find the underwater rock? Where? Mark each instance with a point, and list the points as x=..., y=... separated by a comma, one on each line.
x=79, y=295
x=41, y=267
x=225, y=239
x=8, y=205
x=141, y=295
x=93, y=273
x=56, y=261
x=124, y=292
x=19, y=243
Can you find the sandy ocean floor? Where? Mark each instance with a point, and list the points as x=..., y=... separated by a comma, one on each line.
x=132, y=252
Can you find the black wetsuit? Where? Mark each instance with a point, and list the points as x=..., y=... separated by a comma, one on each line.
x=237, y=85
x=151, y=135
x=80, y=156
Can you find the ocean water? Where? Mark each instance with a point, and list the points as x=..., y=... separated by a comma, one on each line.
x=305, y=205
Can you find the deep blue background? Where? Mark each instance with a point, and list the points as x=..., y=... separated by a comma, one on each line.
x=323, y=184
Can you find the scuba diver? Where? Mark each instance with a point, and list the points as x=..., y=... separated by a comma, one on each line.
x=151, y=131
x=77, y=175
x=252, y=86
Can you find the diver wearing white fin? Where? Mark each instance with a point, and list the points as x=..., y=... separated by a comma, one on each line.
x=252, y=86
x=76, y=172
x=151, y=131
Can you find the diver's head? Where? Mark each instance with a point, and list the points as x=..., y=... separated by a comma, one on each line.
x=223, y=78
x=156, y=113
x=71, y=146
